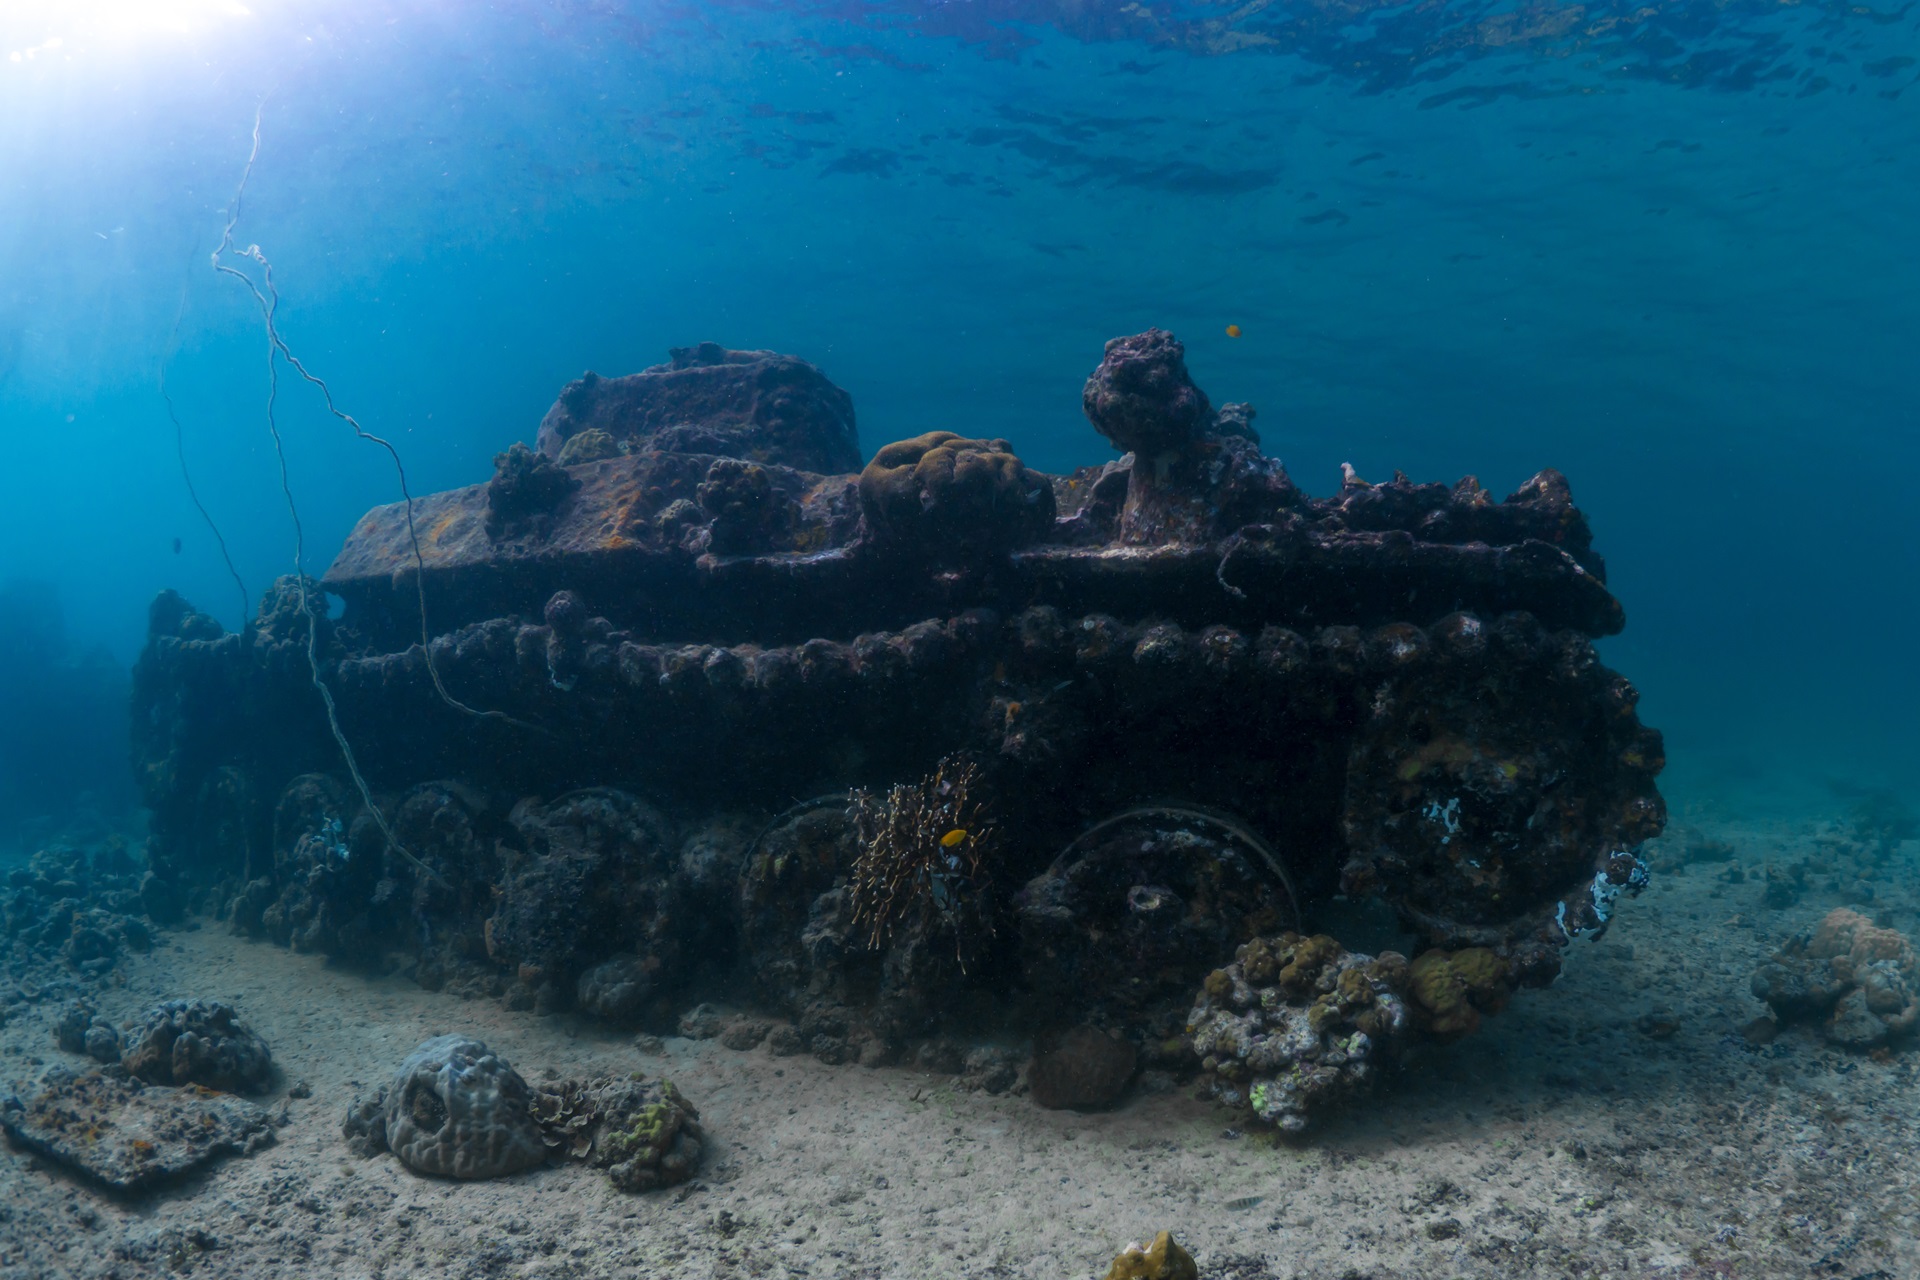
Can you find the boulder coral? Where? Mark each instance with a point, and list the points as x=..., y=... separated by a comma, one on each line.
x=954, y=497
x=1857, y=979
x=1451, y=989
x=199, y=1042
x=1298, y=1025
x=454, y=1109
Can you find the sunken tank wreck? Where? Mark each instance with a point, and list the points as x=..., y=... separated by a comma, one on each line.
x=939, y=748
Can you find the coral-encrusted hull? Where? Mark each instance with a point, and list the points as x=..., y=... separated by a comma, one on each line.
x=634, y=541
x=1391, y=691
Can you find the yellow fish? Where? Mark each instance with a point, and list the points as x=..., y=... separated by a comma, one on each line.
x=953, y=837
x=1233, y=331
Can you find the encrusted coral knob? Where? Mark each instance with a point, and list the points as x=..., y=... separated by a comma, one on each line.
x=1141, y=397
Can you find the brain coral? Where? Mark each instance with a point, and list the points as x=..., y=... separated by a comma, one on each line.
x=946, y=495
x=456, y=1110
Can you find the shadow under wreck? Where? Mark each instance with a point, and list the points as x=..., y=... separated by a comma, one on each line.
x=941, y=745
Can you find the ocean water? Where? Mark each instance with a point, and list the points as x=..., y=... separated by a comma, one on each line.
x=1666, y=248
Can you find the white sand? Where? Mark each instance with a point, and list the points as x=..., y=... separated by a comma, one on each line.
x=1562, y=1140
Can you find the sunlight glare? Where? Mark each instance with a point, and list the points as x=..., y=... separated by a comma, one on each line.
x=35, y=29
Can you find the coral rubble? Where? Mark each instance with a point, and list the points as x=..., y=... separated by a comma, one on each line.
x=80, y=1030
x=126, y=1134
x=643, y=1132
x=1185, y=701
x=83, y=912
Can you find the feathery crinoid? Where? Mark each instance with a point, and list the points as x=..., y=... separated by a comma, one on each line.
x=925, y=857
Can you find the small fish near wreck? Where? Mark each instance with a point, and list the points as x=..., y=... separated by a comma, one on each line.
x=1188, y=704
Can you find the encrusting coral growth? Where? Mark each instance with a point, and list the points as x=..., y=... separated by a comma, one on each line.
x=161, y=1105
x=525, y=491
x=1298, y=1025
x=643, y=1132
x=125, y=1134
x=455, y=1109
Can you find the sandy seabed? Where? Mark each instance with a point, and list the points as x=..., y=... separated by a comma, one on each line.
x=1615, y=1125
